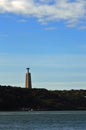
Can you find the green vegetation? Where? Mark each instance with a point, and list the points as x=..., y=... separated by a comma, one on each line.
x=16, y=99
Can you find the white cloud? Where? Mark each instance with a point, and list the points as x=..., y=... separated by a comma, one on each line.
x=22, y=20
x=50, y=71
x=47, y=10
x=82, y=27
x=44, y=61
x=50, y=28
x=3, y=35
x=60, y=85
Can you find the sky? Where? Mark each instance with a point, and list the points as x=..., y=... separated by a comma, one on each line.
x=49, y=37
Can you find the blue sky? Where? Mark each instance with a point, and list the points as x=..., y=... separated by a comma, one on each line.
x=49, y=36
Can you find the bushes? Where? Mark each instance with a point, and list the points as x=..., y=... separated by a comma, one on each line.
x=14, y=98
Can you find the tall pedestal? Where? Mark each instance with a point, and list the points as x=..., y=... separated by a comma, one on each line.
x=28, y=83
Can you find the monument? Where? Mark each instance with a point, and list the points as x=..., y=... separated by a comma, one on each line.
x=28, y=79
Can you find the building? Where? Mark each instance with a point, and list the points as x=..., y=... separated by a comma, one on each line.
x=28, y=83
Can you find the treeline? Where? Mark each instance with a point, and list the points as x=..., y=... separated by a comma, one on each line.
x=16, y=99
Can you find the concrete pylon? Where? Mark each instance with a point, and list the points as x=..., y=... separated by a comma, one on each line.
x=28, y=79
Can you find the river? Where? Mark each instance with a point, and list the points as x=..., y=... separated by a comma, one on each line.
x=43, y=120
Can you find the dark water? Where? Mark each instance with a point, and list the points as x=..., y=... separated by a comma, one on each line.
x=44, y=120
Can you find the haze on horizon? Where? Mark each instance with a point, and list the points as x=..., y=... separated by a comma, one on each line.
x=49, y=37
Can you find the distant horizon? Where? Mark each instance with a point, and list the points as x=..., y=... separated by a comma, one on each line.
x=41, y=88
x=47, y=36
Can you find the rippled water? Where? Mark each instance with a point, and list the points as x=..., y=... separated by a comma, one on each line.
x=43, y=120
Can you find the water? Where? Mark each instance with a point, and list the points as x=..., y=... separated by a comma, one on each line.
x=43, y=120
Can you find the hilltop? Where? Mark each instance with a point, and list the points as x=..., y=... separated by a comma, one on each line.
x=16, y=99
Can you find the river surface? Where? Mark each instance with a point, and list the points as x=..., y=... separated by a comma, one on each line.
x=43, y=120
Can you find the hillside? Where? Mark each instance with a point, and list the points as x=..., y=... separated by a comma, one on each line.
x=16, y=99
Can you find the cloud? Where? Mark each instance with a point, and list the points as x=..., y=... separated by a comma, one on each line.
x=22, y=20
x=60, y=85
x=82, y=27
x=58, y=62
x=3, y=35
x=47, y=10
x=50, y=71
x=50, y=28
